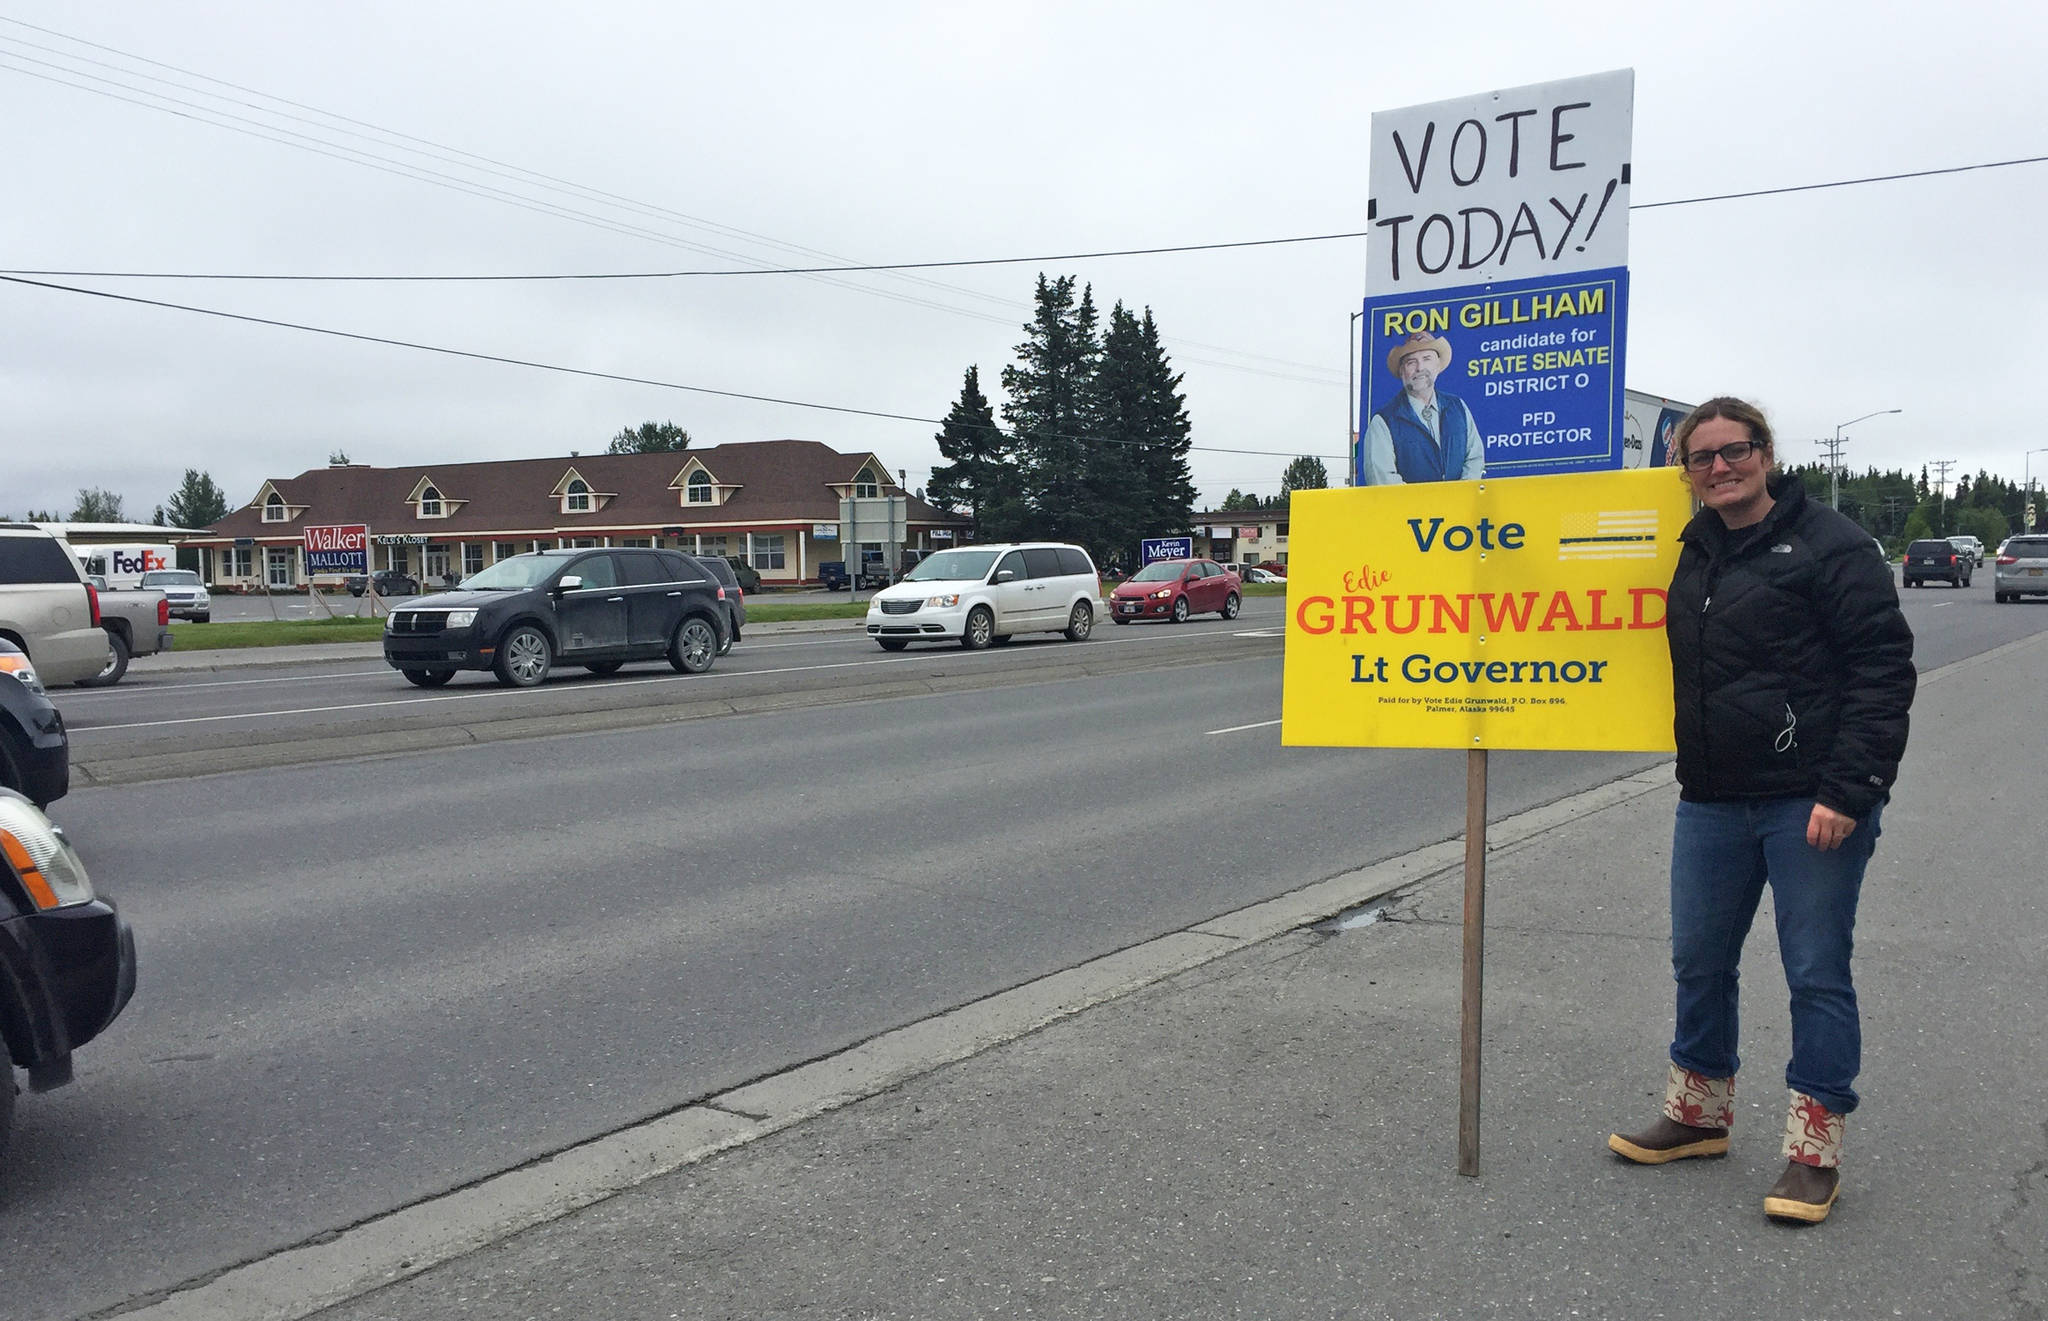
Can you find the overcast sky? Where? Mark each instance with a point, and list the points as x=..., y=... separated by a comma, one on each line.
x=727, y=137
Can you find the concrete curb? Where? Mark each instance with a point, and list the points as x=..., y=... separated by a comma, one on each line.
x=299, y=1281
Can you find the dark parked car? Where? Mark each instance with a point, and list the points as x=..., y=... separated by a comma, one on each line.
x=832, y=576
x=594, y=608
x=734, y=596
x=749, y=577
x=67, y=960
x=1175, y=589
x=1932, y=559
x=35, y=753
x=390, y=582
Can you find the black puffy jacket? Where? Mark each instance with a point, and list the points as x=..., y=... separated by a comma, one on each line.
x=1791, y=665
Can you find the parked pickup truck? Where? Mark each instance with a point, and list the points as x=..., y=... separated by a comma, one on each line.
x=138, y=623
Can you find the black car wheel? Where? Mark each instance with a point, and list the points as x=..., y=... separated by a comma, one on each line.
x=602, y=668
x=981, y=627
x=524, y=657
x=1231, y=605
x=694, y=646
x=893, y=644
x=1080, y=622
x=1180, y=610
x=117, y=664
x=355, y=591
x=427, y=678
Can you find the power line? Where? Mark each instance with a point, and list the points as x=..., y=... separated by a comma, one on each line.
x=1042, y=259
x=447, y=154
x=584, y=371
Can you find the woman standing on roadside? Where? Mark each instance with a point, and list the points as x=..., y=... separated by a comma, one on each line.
x=1792, y=672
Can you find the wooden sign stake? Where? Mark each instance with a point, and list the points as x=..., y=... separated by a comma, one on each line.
x=1475, y=962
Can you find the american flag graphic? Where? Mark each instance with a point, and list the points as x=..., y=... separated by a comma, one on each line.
x=1611, y=534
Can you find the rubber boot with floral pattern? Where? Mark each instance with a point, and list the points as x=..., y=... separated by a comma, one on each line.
x=1812, y=1180
x=1698, y=1112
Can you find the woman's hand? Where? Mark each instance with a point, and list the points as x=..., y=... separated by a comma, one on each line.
x=1827, y=828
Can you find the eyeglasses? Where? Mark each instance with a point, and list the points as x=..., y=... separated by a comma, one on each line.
x=1732, y=453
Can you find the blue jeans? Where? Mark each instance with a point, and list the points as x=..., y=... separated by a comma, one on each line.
x=1721, y=856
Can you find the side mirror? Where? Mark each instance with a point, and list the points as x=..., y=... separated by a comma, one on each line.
x=1005, y=575
x=568, y=582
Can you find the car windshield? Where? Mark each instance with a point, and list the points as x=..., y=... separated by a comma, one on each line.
x=170, y=578
x=1159, y=571
x=520, y=571
x=952, y=566
x=1929, y=548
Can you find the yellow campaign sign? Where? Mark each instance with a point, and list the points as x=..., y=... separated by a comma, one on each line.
x=1517, y=613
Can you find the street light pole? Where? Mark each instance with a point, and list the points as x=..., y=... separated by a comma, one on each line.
x=1835, y=455
x=2027, y=486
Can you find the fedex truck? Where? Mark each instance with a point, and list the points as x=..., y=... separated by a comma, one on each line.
x=123, y=566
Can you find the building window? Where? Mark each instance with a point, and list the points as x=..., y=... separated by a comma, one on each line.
x=237, y=561
x=1282, y=534
x=395, y=558
x=274, y=510
x=430, y=504
x=577, y=501
x=504, y=550
x=579, y=543
x=710, y=546
x=472, y=559
x=698, y=490
x=866, y=486
x=768, y=550
x=636, y=541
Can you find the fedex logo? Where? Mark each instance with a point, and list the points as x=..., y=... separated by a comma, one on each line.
x=138, y=562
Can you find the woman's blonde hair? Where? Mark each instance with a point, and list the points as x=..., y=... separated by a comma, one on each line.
x=1735, y=410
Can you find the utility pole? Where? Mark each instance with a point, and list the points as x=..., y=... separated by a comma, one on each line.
x=1833, y=445
x=1941, y=467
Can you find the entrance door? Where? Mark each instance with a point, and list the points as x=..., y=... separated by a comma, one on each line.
x=277, y=568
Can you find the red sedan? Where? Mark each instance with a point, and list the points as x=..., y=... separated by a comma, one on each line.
x=1175, y=589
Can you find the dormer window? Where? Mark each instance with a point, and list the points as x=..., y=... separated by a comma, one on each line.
x=274, y=510
x=867, y=486
x=698, y=490
x=576, y=497
x=430, y=504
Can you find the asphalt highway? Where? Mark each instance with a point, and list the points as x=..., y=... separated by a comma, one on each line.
x=369, y=976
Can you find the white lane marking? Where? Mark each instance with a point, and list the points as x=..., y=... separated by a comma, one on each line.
x=1239, y=729
x=491, y=692
x=503, y=692
x=1263, y=633
x=381, y=671
x=1943, y=605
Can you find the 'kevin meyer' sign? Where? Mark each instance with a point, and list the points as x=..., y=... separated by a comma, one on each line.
x=1496, y=308
x=1516, y=614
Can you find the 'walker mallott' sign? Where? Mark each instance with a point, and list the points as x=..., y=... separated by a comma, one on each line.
x=1489, y=614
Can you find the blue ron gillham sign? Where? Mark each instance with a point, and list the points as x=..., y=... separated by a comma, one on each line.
x=1166, y=548
x=1514, y=378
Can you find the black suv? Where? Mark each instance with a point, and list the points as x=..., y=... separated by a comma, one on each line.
x=35, y=752
x=594, y=608
x=389, y=582
x=67, y=960
x=720, y=570
x=1939, y=560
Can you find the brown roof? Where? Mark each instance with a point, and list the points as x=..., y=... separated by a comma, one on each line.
x=777, y=481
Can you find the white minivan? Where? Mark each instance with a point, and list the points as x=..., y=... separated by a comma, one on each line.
x=977, y=595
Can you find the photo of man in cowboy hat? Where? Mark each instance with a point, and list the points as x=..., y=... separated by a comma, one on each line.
x=1424, y=435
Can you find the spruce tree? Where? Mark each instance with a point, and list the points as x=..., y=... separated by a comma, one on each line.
x=981, y=476
x=1304, y=474
x=1120, y=406
x=1049, y=393
x=1167, y=435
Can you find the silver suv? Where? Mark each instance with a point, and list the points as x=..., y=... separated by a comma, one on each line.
x=47, y=608
x=2021, y=569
